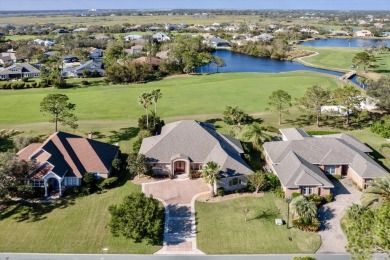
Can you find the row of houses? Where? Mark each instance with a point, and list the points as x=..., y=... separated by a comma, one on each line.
x=302, y=163
x=160, y=36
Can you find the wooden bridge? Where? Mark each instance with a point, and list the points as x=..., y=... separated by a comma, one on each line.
x=348, y=75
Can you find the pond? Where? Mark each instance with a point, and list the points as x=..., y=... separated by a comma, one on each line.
x=238, y=62
x=356, y=43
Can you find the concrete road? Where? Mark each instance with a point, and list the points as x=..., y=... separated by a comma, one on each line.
x=15, y=256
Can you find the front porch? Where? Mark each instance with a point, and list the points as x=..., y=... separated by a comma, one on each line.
x=51, y=182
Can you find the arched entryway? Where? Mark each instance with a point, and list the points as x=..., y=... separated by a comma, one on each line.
x=179, y=167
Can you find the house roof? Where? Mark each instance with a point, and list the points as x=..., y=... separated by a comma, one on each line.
x=339, y=149
x=200, y=142
x=71, y=155
x=294, y=171
x=152, y=61
x=21, y=68
x=294, y=133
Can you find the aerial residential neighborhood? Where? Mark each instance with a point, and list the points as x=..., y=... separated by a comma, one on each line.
x=206, y=129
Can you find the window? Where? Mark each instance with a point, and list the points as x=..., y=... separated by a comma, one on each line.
x=71, y=181
x=37, y=183
x=235, y=181
x=330, y=169
x=307, y=190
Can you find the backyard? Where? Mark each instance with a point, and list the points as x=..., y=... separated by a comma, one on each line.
x=68, y=226
x=221, y=228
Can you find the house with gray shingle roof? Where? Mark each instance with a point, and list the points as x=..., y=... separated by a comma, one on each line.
x=63, y=159
x=302, y=162
x=185, y=146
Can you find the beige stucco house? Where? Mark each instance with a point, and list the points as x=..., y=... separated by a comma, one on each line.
x=185, y=146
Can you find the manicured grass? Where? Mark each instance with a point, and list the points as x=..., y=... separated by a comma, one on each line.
x=71, y=226
x=341, y=58
x=182, y=96
x=221, y=228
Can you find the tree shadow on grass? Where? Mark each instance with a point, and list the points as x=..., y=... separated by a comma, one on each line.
x=123, y=134
x=6, y=144
x=266, y=214
x=33, y=212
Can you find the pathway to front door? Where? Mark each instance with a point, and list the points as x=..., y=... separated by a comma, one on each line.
x=178, y=197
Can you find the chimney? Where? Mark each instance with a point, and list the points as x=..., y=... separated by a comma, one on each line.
x=90, y=135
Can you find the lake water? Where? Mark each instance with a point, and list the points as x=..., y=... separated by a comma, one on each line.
x=238, y=62
x=356, y=43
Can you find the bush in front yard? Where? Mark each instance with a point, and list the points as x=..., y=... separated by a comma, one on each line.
x=312, y=226
x=317, y=199
x=108, y=183
x=328, y=198
x=220, y=192
x=279, y=193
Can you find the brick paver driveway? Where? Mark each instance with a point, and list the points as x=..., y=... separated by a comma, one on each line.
x=178, y=198
x=330, y=215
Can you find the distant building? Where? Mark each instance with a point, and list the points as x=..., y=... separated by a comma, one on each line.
x=363, y=33
x=60, y=31
x=96, y=53
x=136, y=49
x=7, y=57
x=340, y=33
x=264, y=37
x=132, y=37
x=217, y=42
x=19, y=70
x=161, y=37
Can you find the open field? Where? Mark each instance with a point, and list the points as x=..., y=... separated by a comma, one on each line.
x=182, y=96
x=79, y=21
x=221, y=228
x=68, y=226
x=341, y=58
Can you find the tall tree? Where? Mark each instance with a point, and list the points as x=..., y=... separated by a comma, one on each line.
x=280, y=101
x=155, y=96
x=145, y=101
x=364, y=59
x=377, y=193
x=58, y=109
x=13, y=175
x=138, y=217
x=380, y=90
x=235, y=116
x=314, y=98
x=349, y=98
x=255, y=134
x=210, y=173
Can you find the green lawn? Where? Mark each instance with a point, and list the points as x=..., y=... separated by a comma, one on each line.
x=182, y=96
x=341, y=58
x=73, y=226
x=221, y=228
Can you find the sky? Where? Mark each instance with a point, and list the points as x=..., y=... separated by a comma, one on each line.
x=192, y=4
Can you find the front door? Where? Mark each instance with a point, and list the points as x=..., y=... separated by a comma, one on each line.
x=180, y=167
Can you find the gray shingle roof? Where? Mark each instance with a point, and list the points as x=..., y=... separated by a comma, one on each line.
x=294, y=133
x=339, y=149
x=294, y=171
x=200, y=142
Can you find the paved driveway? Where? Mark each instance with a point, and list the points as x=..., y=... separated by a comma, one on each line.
x=332, y=236
x=178, y=197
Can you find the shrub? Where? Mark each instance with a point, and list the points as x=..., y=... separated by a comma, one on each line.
x=279, y=193
x=25, y=79
x=34, y=85
x=116, y=164
x=73, y=191
x=137, y=145
x=382, y=127
x=317, y=199
x=304, y=258
x=220, y=192
x=108, y=183
x=85, y=83
x=385, y=145
x=14, y=85
x=272, y=181
x=295, y=194
x=328, y=198
x=314, y=226
x=271, y=129
x=322, y=132
x=195, y=175
x=21, y=85
x=22, y=141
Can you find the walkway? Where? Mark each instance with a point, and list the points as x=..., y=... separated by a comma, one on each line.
x=178, y=197
x=330, y=215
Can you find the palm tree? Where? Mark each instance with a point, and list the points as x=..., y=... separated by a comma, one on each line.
x=255, y=134
x=210, y=173
x=378, y=192
x=155, y=96
x=303, y=208
x=145, y=100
